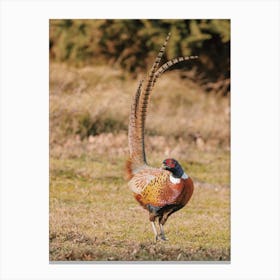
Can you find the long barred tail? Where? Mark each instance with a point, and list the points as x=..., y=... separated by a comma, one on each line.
x=138, y=117
x=150, y=83
x=138, y=112
x=136, y=145
x=170, y=63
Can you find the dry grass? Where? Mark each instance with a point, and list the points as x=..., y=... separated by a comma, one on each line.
x=93, y=215
x=90, y=101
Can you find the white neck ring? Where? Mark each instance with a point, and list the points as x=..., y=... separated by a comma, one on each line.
x=174, y=180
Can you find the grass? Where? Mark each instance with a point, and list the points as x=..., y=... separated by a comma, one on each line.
x=93, y=215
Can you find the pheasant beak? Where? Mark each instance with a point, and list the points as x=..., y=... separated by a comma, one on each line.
x=163, y=166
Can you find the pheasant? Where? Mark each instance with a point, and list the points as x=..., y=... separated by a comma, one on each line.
x=162, y=191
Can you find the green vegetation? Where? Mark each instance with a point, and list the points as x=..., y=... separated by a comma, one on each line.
x=132, y=44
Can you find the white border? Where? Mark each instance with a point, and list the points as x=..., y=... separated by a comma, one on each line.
x=255, y=138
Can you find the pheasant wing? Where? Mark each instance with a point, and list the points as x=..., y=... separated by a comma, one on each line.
x=152, y=186
x=143, y=178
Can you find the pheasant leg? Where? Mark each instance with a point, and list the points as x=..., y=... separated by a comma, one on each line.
x=155, y=231
x=162, y=235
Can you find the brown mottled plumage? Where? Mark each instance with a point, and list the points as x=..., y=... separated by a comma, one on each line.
x=161, y=191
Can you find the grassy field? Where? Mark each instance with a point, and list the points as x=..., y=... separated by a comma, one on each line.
x=93, y=215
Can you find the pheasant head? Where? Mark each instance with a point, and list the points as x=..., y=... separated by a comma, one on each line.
x=173, y=166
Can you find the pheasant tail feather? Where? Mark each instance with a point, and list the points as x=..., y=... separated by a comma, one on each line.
x=137, y=160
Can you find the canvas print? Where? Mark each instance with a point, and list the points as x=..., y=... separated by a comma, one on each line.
x=139, y=140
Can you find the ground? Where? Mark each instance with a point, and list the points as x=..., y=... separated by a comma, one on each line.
x=93, y=215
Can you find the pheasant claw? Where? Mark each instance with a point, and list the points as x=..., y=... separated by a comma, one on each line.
x=163, y=237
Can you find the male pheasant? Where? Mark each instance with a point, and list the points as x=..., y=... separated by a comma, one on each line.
x=161, y=191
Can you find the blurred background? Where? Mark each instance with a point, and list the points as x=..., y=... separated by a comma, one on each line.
x=132, y=44
x=95, y=68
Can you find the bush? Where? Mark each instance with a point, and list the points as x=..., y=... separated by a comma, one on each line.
x=133, y=44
